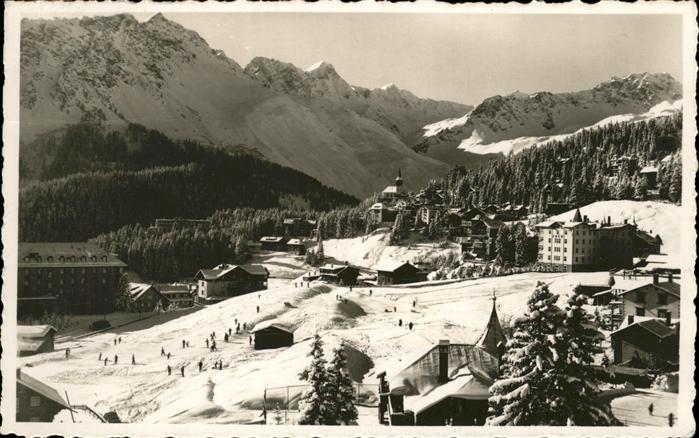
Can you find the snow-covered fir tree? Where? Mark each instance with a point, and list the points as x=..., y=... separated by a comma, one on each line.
x=580, y=340
x=313, y=401
x=341, y=403
x=527, y=392
x=320, y=253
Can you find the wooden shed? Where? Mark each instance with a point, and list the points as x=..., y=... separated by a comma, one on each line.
x=34, y=339
x=273, y=334
x=398, y=273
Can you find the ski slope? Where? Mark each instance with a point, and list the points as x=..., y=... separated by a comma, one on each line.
x=368, y=323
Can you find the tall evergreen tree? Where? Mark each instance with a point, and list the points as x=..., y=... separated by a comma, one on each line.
x=313, y=402
x=340, y=387
x=580, y=341
x=529, y=393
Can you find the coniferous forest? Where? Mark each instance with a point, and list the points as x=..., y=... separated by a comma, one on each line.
x=579, y=169
x=97, y=182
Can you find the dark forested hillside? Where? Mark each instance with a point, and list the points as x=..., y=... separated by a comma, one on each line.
x=579, y=169
x=137, y=176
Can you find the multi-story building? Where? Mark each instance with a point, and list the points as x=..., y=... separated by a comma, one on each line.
x=177, y=223
x=479, y=235
x=580, y=245
x=73, y=278
x=225, y=281
x=659, y=299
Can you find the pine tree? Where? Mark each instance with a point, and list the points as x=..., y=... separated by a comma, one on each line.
x=399, y=230
x=320, y=253
x=675, y=191
x=527, y=393
x=124, y=301
x=342, y=409
x=580, y=341
x=313, y=402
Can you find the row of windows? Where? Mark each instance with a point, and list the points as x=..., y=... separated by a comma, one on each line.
x=63, y=259
x=49, y=271
x=50, y=284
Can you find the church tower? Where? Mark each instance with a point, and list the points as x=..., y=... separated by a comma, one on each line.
x=399, y=182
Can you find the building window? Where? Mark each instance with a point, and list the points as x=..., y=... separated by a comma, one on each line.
x=576, y=260
x=640, y=311
x=662, y=299
x=34, y=401
x=662, y=313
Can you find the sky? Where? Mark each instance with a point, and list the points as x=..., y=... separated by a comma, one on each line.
x=459, y=57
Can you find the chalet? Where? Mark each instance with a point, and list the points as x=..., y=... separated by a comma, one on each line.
x=273, y=243
x=662, y=264
x=427, y=213
x=480, y=234
x=298, y=227
x=37, y=401
x=380, y=212
x=146, y=297
x=344, y=275
x=296, y=246
x=645, y=243
x=71, y=278
x=225, y=281
x=273, y=334
x=657, y=299
x=646, y=342
x=394, y=272
x=446, y=384
x=178, y=295
x=34, y=339
x=650, y=175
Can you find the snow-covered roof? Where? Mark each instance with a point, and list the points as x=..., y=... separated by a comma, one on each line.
x=390, y=189
x=465, y=386
x=41, y=388
x=649, y=169
x=377, y=206
x=654, y=326
x=284, y=326
x=389, y=265
x=223, y=269
x=548, y=224
x=295, y=242
x=273, y=239
x=667, y=158
x=137, y=290
x=34, y=331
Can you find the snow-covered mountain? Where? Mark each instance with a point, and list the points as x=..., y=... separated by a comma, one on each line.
x=503, y=124
x=397, y=110
x=157, y=73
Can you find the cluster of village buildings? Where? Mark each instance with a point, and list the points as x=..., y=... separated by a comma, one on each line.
x=448, y=383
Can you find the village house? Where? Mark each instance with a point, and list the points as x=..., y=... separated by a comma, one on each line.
x=642, y=342
x=225, y=281
x=296, y=246
x=446, y=384
x=34, y=339
x=380, y=213
x=36, y=401
x=273, y=334
x=298, y=227
x=395, y=272
x=72, y=278
x=344, y=274
x=656, y=299
x=146, y=298
x=650, y=175
x=479, y=235
x=178, y=295
x=273, y=243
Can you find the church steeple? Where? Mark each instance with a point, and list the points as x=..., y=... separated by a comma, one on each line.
x=493, y=338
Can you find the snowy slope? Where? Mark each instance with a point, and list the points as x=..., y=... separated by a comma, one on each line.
x=653, y=217
x=159, y=74
x=371, y=250
x=398, y=111
x=144, y=392
x=503, y=124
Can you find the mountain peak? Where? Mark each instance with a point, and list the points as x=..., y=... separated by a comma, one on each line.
x=317, y=65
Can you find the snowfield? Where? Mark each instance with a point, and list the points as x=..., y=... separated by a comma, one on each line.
x=368, y=323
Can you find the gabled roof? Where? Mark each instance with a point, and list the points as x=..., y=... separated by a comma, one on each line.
x=34, y=331
x=41, y=388
x=223, y=269
x=421, y=374
x=137, y=290
x=390, y=265
x=390, y=189
x=465, y=386
x=672, y=288
x=577, y=217
x=272, y=239
x=295, y=242
x=275, y=323
x=654, y=326
x=649, y=169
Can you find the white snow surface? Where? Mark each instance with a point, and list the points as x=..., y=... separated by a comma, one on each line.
x=145, y=393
